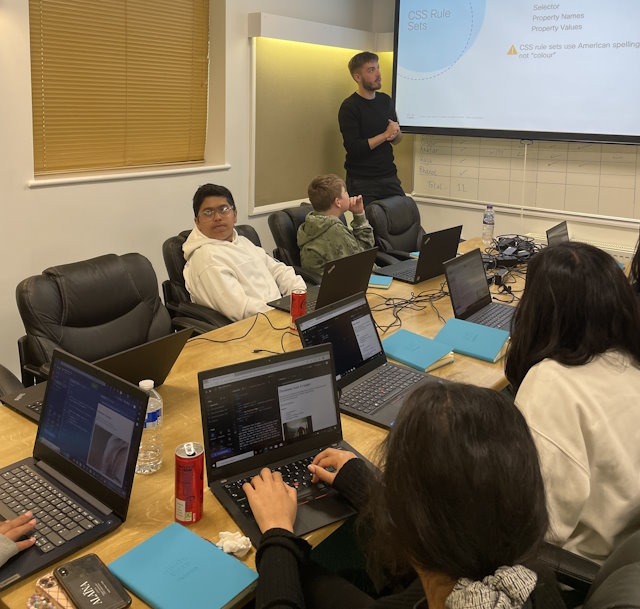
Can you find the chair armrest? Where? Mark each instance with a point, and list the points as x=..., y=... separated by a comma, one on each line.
x=309, y=276
x=570, y=569
x=400, y=255
x=9, y=383
x=198, y=326
x=385, y=259
x=201, y=313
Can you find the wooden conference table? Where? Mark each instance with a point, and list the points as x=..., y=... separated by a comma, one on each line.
x=152, y=500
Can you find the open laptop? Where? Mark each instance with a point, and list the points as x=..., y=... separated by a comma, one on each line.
x=470, y=295
x=340, y=278
x=371, y=388
x=152, y=360
x=276, y=412
x=436, y=248
x=78, y=482
x=558, y=234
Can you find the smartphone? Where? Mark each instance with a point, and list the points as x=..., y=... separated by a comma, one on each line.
x=89, y=584
x=48, y=586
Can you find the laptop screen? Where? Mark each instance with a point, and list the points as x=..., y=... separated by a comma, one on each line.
x=558, y=234
x=92, y=423
x=266, y=407
x=349, y=327
x=467, y=283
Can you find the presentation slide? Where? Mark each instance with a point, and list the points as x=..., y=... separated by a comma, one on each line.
x=566, y=67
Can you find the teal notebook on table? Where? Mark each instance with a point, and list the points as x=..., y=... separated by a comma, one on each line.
x=483, y=342
x=380, y=281
x=176, y=568
x=417, y=351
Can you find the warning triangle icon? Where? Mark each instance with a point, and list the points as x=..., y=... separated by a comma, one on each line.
x=512, y=50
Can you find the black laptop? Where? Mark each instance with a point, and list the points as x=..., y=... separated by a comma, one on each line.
x=340, y=278
x=436, y=248
x=276, y=412
x=558, y=234
x=152, y=360
x=470, y=295
x=78, y=483
x=371, y=388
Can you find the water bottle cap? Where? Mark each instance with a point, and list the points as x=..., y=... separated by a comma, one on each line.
x=146, y=384
x=489, y=206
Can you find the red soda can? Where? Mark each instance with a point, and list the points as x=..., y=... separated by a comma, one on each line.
x=189, y=472
x=298, y=306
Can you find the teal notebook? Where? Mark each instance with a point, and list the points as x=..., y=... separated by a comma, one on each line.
x=380, y=281
x=176, y=568
x=465, y=337
x=417, y=351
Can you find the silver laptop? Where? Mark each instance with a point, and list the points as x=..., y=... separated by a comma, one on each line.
x=78, y=482
x=151, y=360
x=276, y=412
x=470, y=295
x=436, y=248
x=340, y=278
x=371, y=388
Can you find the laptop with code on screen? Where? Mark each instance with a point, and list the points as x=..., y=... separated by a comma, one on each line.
x=78, y=482
x=371, y=388
x=276, y=412
x=470, y=294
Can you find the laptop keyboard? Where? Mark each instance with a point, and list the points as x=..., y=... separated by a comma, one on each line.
x=295, y=474
x=495, y=315
x=383, y=384
x=59, y=518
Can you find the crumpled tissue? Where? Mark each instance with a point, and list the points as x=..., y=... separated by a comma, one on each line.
x=234, y=543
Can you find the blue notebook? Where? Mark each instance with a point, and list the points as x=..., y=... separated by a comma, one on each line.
x=417, y=351
x=483, y=342
x=176, y=568
x=380, y=281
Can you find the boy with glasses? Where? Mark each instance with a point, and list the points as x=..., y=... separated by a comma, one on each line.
x=225, y=271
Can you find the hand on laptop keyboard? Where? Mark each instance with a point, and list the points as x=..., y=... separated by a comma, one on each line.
x=274, y=504
x=19, y=527
x=327, y=464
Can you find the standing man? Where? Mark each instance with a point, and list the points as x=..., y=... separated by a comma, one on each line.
x=369, y=126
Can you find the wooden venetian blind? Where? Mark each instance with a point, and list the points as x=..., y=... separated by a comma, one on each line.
x=118, y=83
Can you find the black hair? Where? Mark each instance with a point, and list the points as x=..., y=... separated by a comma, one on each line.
x=211, y=190
x=577, y=303
x=357, y=61
x=462, y=493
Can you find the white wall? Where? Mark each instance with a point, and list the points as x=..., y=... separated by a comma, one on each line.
x=55, y=225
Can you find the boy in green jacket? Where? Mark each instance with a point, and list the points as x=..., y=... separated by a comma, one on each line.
x=323, y=237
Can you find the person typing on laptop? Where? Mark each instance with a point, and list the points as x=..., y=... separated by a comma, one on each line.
x=225, y=271
x=460, y=502
x=12, y=533
x=322, y=237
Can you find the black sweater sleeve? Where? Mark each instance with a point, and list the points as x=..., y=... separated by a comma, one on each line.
x=355, y=481
x=278, y=562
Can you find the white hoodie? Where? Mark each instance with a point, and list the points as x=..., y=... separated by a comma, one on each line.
x=234, y=277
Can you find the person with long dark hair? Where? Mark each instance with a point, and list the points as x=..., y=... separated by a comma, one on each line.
x=634, y=270
x=459, y=499
x=574, y=362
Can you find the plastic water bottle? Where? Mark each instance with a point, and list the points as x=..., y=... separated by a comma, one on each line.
x=488, y=222
x=150, y=454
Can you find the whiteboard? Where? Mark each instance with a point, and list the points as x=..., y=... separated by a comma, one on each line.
x=588, y=178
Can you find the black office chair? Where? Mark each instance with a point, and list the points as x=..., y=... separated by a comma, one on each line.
x=8, y=382
x=396, y=226
x=284, y=226
x=176, y=296
x=92, y=309
x=614, y=585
